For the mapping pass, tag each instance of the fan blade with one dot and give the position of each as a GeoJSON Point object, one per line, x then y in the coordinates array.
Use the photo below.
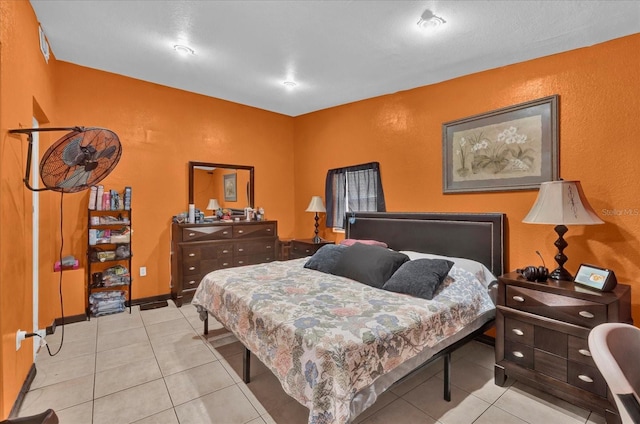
{"type": "Point", "coordinates": [78, 178]}
{"type": "Point", "coordinates": [107, 153]}
{"type": "Point", "coordinates": [72, 155]}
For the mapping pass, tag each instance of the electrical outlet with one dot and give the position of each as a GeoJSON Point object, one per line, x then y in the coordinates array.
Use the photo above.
{"type": "Point", "coordinates": [143, 271]}
{"type": "Point", "coordinates": [20, 336]}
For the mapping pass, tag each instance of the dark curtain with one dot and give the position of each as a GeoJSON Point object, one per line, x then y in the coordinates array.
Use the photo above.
{"type": "Point", "coordinates": [365, 192]}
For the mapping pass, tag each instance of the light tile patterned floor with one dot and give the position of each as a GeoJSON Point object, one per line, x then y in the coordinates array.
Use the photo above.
{"type": "Point", "coordinates": [154, 367]}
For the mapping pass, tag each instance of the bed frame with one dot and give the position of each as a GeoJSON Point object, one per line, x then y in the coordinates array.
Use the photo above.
{"type": "Point", "coordinates": [477, 236]}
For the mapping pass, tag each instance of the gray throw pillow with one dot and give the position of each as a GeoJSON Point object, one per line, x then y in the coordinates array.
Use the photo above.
{"type": "Point", "coordinates": [420, 277]}
{"type": "Point", "coordinates": [325, 258]}
{"type": "Point", "coordinates": [371, 265]}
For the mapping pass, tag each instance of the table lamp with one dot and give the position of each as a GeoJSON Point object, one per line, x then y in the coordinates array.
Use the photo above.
{"type": "Point", "coordinates": [213, 206]}
{"type": "Point", "coordinates": [316, 206]}
{"type": "Point", "coordinates": [561, 203]}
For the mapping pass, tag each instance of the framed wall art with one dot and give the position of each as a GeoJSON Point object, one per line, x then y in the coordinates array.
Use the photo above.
{"type": "Point", "coordinates": [513, 148]}
{"type": "Point", "coordinates": [230, 188]}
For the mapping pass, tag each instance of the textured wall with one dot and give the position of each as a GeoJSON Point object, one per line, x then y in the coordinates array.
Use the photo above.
{"type": "Point", "coordinates": [599, 90]}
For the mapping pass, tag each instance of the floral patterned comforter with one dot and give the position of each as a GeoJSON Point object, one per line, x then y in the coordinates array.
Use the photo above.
{"type": "Point", "coordinates": [326, 337]}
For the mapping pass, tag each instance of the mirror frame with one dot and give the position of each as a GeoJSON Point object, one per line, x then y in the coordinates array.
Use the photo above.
{"type": "Point", "coordinates": [193, 164]}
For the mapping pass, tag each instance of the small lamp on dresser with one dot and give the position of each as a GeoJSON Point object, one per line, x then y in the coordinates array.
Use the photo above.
{"type": "Point", "coordinates": [561, 203]}
{"type": "Point", "coordinates": [213, 206]}
{"type": "Point", "coordinates": [316, 206]}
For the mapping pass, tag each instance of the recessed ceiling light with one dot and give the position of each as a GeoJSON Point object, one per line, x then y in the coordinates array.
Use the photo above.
{"type": "Point", "coordinates": [183, 50]}
{"type": "Point", "coordinates": [289, 84]}
{"type": "Point", "coordinates": [429, 20]}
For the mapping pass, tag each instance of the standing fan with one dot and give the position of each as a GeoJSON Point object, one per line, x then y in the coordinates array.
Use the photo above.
{"type": "Point", "coordinates": [77, 161]}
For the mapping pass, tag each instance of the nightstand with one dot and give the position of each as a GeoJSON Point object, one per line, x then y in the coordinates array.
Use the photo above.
{"type": "Point", "coordinates": [541, 337]}
{"type": "Point", "coordinates": [305, 247]}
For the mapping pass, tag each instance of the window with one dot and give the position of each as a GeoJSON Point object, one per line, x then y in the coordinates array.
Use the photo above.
{"type": "Point", "coordinates": [353, 189]}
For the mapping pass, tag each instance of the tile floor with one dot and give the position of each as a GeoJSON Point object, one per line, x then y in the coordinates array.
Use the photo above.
{"type": "Point", "coordinates": [154, 367]}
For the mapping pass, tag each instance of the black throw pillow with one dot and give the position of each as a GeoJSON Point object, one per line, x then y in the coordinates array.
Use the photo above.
{"type": "Point", "coordinates": [420, 277]}
{"type": "Point", "coordinates": [325, 258]}
{"type": "Point", "coordinates": [371, 265]}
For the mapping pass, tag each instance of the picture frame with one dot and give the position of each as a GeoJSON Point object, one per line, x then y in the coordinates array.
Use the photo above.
{"type": "Point", "coordinates": [597, 278]}
{"type": "Point", "coordinates": [230, 188]}
{"type": "Point", "coordinates": [513, 148]}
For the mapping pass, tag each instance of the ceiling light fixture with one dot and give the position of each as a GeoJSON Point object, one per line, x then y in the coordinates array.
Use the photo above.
{"type": "Point", "coordinates": [289, 84]}
{"type": "Point", "coordinates": [429, 20]}
{"type": "Point", "coordinates": [183, 50]}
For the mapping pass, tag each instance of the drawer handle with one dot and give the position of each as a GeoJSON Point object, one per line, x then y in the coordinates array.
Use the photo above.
{"type": "Point", "coordinates": [518, 332]}
{"type": "Point", "coordinates": [225, 251]}
{"type": "Point", "coordinates": [268, 259]}
{"type": "Point", "coordinates": [518, 354]}
{"type": "Point", "coordinates": [269, 247]}
{"type": "Point", "coordinates": [268, 230]}
{"type": "Point", "coordinates": [192, 254]}
{"type": "Point", "coordinates": [518, 298]}
{"type": "Point", "coordinates": [191, 282]}
{"type": "Point", "coordinates": [307, 251]}
{"type": "Point", "coordinates": [585, 378]}
{"type": "Point", "coordinates": [584, 352]}
{"type": "Point", "coordinates": [191, 268]}
{"type": "Point", "coordinates": [225, 264]}
{"type": "Point", "coordinates": [192, 234]}
{"type": "Point", "coordinates": [240, 262]}
{"type": "Point", "coordinates": [586, 314]}
{"type": "Point", "coordinates": [240, 250]}
{"type": "Point", "coordinates": [225, 232]}
{"type": "Point", "coordinates": [240, 231]}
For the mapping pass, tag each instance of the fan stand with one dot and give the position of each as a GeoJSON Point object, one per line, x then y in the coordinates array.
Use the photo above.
{"type": "Point", "coordinates": [29, 132]}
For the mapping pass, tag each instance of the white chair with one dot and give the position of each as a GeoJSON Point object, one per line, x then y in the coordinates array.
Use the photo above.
{"type": "Point", "coordinates": [615, 348]}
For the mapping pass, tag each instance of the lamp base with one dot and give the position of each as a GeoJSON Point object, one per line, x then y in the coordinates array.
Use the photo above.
{"type": "Point", "coordinates": [316, 240]}
{"type": "Point", "coordinates": [561, 274]}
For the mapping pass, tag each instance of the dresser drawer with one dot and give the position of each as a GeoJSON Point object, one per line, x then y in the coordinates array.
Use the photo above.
{"type": "Point", "coordinates": [255, 259]}
{"type": "Point", "coordinates": [258, 246]}
{"type": "Point", "coordinates": [563, 308]}
{"type": "Point", "coordinates": [207, 233]}
{"type": "Point", "coordinates": [190, 268]}
{"type": "Point", "coordinates": [200, 251]}
{"type": "Point", "coordinates": [587, 378]}
{"type": "Point", "coordinates": [254, 230]}
{"type": "Point", "coordinates": [518, 331]}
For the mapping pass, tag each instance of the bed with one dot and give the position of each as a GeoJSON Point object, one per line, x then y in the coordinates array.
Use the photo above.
{"type": "Point", "coordinates": [336, 344]}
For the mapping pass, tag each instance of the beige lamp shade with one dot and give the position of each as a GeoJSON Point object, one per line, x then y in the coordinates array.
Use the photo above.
{"type": "Point", "coordinates": [316, 205]}
{"type": "Point", "coordinates": [562, 203]}
{"type": "Point", "coordinates": [213, 205]}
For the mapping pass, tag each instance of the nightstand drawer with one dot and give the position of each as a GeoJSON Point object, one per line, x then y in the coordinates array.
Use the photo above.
{"type": "Point", "coordinates": [587, 378]}
{"type": "Point", "coordinates": [579, 351]}
{"type": "Point", "coordinates": [518, 353]}
{"type": "Point", "coordinates": [518, 331]}
{"type": "Point", "coordinates": [563, 308]}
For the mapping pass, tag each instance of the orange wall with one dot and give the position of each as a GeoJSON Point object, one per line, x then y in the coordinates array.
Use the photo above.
{"type": "Point", "coordinates": [25, 80]}
{"type": "Point", "coordinates": [599, 90]}
{"type": "Point", "coordinates": [161, 130]}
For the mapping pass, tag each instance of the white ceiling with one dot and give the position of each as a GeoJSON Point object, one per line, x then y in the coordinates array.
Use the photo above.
{"type": "Point", "coordinates": [337, 51]}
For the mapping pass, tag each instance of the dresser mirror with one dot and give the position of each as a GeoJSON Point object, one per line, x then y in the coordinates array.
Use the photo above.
{"type": "Point", "coordinates": [231, 185]}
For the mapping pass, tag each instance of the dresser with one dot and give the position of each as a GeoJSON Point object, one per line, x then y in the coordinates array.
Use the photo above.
{"type": "Point", "coordinates": [197, 249]}
{"type": "Point", "coordinates": [299, 248]}
{"type": "Point", "coordinates": [542, 332]}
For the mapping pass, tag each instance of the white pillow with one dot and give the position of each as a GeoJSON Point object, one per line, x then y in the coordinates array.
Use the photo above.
{"type": "Point", "coordinates": [478, 269]}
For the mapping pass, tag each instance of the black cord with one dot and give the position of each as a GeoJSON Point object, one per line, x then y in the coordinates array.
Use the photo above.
{"type": "Point", "coordinates": [60, 280]}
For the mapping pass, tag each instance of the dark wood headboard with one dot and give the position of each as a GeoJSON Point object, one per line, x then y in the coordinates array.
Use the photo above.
{"type": "Point", "coordinates": [477, 236]}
